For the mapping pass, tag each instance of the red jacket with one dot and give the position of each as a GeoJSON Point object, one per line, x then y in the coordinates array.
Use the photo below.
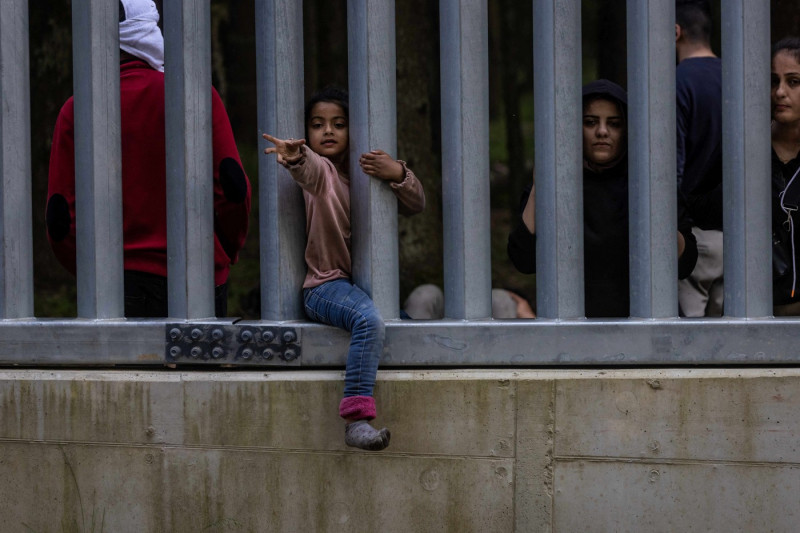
{"type": "Point", "coordinates": [144, 210]}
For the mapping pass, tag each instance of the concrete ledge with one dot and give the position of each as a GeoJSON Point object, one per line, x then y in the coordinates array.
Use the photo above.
{"type": "Point", "coordinates": [516, 450]}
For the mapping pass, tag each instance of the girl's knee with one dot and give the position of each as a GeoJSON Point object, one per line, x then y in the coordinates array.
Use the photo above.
{"type": "Point", "coordinates": [371, 322]}
{"type": "Point", "coordinates": [375, 322]}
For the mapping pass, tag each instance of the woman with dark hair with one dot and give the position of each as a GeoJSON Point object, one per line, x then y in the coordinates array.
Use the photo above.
{"type": "Point", "coordinates": [605, 208]}
{"type": "Point", "coordinates": [785, 98]}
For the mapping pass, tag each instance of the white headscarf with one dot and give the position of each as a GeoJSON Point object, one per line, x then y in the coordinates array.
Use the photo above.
{"type": "Point", "coordinates": [139, 34]}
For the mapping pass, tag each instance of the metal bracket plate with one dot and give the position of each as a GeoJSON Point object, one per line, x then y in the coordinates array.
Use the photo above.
{"type": "Point", "coordinates": [232, 344]}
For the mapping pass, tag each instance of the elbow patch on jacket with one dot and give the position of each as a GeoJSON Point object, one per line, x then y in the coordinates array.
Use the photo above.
{"type": "Point", "coordinates": [233, 180]}
{"type": "Point", "coordinates": [57, 217]}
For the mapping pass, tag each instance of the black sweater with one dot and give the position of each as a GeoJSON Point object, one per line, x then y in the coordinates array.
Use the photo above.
{"type": "Point", "coordinates": [605, 234]}
{"type": "Point", "coordinates": [782, 265]}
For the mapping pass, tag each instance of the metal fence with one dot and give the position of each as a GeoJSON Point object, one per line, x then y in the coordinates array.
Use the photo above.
{"type": "Point", "coordinates": [468, 336]}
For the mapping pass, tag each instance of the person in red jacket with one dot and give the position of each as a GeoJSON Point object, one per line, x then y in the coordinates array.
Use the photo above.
{"type": "Point", "coordinates": [144, 207]}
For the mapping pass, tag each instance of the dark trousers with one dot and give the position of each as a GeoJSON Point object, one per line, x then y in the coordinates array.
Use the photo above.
{"type": "Point", "coordinates": [146, 296]}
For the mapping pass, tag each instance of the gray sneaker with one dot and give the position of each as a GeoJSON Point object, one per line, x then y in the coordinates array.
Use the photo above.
{"type": "Point", "coordinates": [360, 434]}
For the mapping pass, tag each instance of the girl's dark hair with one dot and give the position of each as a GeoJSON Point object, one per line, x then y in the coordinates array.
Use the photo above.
{"type": "Point", "coordinates": [331, 94]}
{"type": "Point", "coordinates": [790, 45]}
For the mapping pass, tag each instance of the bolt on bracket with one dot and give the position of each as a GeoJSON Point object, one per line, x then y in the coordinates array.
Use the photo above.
{"type": "Point", "coordinates": [245, 344]}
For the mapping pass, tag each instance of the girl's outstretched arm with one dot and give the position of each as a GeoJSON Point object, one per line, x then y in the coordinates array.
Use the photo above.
{"type": "Point", "coordinates": [288, 150]}
{"type": "Point", "coordinates": [307, 168]}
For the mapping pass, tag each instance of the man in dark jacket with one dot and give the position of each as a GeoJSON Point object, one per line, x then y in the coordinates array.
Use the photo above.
{"type": "Point", "coordinates": [699, 146]}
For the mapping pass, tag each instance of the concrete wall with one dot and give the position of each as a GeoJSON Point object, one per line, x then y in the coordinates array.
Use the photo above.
{"type": "Point", "coordinates": [472, 451]}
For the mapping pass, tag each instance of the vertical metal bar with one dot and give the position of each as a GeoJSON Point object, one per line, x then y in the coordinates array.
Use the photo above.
{"type": "Point", "coordinates": [190, 229]}
{"type": "Point", "coordinates": [465, 158]}
{"type": "Point", "coordinates": [652, 174]}
{"type": "Point", "coordinates": [559, 171]}
{"type": "Point", "coordinates": [746, 158]}
{"type": "Point", "coordinates": [98, 158]}
{"type": "Point", "coordinates": [16, 255]}
{"type": "Point", "coordinates": [279, 55]}
{"type": "Point", "coordinates": [373, 125]}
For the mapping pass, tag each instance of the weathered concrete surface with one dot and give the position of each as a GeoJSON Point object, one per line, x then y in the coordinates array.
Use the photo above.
{"type": "Point", "coordinates": [482, 451]}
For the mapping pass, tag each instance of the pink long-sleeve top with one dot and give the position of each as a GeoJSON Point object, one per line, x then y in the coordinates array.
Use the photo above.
{"type": "Point", "coordinates": [327, 198]}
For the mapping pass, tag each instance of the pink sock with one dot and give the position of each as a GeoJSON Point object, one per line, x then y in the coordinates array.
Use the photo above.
{"type": "Point", "coordinates": [357, 408]}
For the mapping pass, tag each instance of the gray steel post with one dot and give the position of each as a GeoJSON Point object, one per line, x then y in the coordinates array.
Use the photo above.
{"type": "Point", "coordinates": [746, 158]}
{"type": "Point", "coordinates": [652, 178]}
{"type": "Point", "coordinates": [16, 256]}
{"type": "Point", "coordinates": [465, 158]}
{"type": "Point", "coordinates": [98, 158]}
{"type": "Point", "coordinates": [190, 228]}
{"type": "Point", "coordinates": [279, 55]}
{"type": "Point", "coordinates": [558, 169]}
{"type": "Point", "coordinates": [373, 125]}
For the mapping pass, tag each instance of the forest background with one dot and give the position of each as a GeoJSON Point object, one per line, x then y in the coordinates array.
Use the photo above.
{"type": "Point", "coordinates": [419, 128]}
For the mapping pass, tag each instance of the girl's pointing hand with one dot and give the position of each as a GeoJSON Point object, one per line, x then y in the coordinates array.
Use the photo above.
{"type": "Point", "coordinates": [288, 151]}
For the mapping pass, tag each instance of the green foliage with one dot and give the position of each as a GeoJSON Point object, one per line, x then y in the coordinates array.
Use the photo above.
{"type": "Point", "coordinates": [58, 302]}
{"type": "Point", "coordinates": [498, 138]}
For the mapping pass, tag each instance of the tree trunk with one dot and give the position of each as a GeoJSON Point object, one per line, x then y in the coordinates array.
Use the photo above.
{"type": "Point", "coordinates": [514, 65]}
{"type": "Point", "coordinates": [51, 85]}
{"type": "Point", "coordinates": [611, 48]}
{"type": "Point", "coordinates": [418, 139]}
{"type": "Point", "coordinates": [325, 44]}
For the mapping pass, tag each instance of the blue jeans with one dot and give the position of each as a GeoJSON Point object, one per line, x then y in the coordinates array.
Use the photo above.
{"type": "Point", "coordinates": [340, 303]}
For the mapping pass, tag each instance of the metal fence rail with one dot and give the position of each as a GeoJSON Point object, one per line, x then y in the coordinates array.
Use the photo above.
{"type": "Point", "coordinates": [279, 71]}
{"type": "Point", "coordinates": [465, 158]}
{"type": "Point", "coordinates": [746, 159]}
{"type": "Point", "coordinates": [467, 337]}
{"type": "Point", "coordinates": [651, 159]}
{"type": "Point", "coordinates": [16, 241]}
